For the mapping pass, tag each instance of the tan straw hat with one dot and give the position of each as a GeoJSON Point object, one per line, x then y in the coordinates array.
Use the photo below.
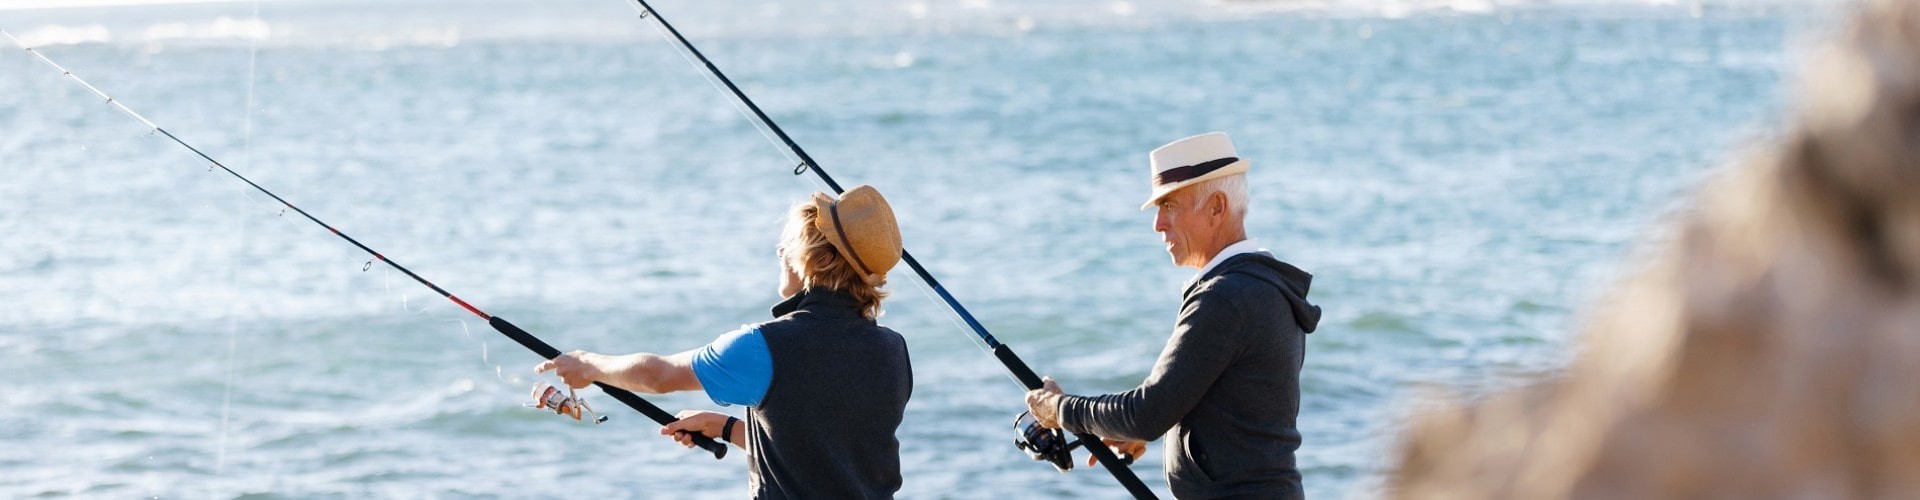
{"type": "Point", "coordinates": [1190, 161]}
{"type": "Point", "coordinates": [860, 225]}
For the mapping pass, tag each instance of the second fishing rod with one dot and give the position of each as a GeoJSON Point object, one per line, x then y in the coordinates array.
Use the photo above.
{"type": "Point", "coordinates": [501, 324]}
{"type": "Point", "coordinates": [1026, 376]}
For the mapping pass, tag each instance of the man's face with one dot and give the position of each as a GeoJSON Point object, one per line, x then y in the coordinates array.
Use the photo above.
{"type": "Point", "coordinates": [1182, 223]}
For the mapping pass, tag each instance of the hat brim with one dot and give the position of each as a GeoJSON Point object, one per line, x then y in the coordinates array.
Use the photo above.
{"type": "Point", "coordinates": [875, 245]}
{"type": "Point", "coordinates": [1238, 167]}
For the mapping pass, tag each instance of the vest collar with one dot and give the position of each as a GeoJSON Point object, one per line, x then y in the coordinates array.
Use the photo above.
{"type": "Point", "coordinates": [826, 301]}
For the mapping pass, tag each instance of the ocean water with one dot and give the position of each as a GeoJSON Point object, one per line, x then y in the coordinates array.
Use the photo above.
{"type": "Point", "coordinates": [1461, 177]}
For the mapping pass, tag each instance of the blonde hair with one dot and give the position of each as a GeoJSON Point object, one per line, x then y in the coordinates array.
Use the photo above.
{"type": "Point", "coordinates": [1772, 347]}
{"type": "Point", "coordinates": [819, 265]}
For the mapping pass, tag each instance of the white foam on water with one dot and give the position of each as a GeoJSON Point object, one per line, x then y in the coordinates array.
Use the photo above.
{"type": "Point", "coordinates": [65, 35]}
{"type": "Point", "coordinates": [219, 28]}
{"type": "Point", "coordinates": [75, 4]}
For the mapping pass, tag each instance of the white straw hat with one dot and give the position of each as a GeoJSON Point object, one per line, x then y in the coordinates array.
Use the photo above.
{"type": "Point", "coordinates": [1190, 161]}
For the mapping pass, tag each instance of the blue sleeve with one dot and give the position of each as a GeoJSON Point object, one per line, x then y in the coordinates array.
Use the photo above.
{"type": "Point", "coordinates": [736, 368]}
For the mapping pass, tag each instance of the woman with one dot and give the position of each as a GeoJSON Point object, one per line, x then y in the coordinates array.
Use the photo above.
{"type": "Point", "coordinates": [824, 383]}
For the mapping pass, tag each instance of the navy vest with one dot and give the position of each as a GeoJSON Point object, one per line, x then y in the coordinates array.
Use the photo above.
{"type": "Point", "coordinates": [840, 386]}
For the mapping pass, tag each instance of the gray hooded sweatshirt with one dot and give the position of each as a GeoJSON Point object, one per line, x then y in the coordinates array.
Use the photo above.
{"type": "Point", "coordinates": [1226, 389]}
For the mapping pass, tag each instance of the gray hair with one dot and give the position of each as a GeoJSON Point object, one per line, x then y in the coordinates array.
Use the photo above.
{"type": "Point", "coordinates": [1234, 186]}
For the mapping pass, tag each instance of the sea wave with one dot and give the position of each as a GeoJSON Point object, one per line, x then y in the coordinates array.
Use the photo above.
{"type": "Point", "coordinates": [219, 28]}
{"type": "Point", "coordinates": [65, 35]}
{"type": "Point", "coordinates": [75, 4]}
{"type": "Point", "coordinates": [430, 23]}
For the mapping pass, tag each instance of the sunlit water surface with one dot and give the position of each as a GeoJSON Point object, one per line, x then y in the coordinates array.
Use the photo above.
{"type": "Point", "coordinates": [1460, 181]}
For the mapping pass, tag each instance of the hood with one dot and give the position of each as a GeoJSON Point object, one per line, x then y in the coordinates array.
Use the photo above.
{"type": "Point", "coordinates": [1291, 281]}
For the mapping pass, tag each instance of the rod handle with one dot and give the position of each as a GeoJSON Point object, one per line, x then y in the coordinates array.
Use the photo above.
{"type": "Point", "coordinates": [1019, 368]}
{"type": "Point", "coordinates": [630, 399]}
{"type": "Point", "coordinates": [718, 450]}
{"type": "Point", "coordinates": [1092, 443]}
{"type": "Point", "coordinates": [1115, 465]}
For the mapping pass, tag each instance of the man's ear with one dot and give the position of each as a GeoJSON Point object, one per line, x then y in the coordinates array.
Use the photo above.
{"type": "Point", "coordinates": [1217, 204]}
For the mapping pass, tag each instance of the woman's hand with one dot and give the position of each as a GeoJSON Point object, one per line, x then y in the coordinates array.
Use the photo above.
{"type": "Point", "coordinates": [706, 423]}
{"type": "Point", "coordinates": [578, 368]}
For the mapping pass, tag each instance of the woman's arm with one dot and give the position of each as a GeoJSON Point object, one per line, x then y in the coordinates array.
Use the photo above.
{"type": "Point", "coordinates": [638, 372]}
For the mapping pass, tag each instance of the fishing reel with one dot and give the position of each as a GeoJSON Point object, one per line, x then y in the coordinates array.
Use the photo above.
{"type": "Point", "coordinates": [1043, 444]}
{"type": "Point", "coordinates": [548, 397]}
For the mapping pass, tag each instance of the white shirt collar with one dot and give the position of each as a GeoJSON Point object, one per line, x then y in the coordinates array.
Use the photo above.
{"type": "Point", "coordinates": [1243, 246]}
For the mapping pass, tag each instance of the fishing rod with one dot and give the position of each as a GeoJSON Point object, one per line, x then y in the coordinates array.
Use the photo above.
{"type": "Point", "coordinates": [506, 328]}
{"type": "Point", "coordinates": [1005, 354]}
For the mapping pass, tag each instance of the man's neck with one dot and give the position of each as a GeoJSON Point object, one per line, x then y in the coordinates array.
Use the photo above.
{"type": "Point", "coordinates": [1243, 246]}
{"type": "Point", "coordinates": [1235, 233]}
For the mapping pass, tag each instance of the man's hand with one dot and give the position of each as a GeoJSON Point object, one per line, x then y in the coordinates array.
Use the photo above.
{"type": "Point", "coordinates": [1044, 403]}
{"type": "Point", "coordinates": [578, 368]}
{"type": "Point", "coordinates": [1123, 448]}
{"type": "Point", "coordinates": [704, 422]}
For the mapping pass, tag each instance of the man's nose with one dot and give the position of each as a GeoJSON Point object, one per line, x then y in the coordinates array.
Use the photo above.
{"type": "Point", "coordinates": [1160, 221]}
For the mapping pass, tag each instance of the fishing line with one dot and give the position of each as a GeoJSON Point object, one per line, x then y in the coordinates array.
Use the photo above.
{"type": "Point", "coordinates": [498, 373]}
{"type": "Point", "coordinates": [952, 315]}
{"type": "Point", "coordinates": [1012, 362]}
{"type": "Point", "coordinates": [233, 264]}
{"type": "Point", "coordinates": [500, 324]}
{"type": "Point", "coordinates": [959, 324]}
{"type": "Point", "coordinates": [666, 32]}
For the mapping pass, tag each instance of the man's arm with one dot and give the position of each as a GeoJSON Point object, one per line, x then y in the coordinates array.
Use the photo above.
{"type": "Point", "coordinates": [1204, 342]}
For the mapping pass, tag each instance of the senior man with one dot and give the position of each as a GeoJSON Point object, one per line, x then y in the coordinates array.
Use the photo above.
{"type": "Point", "coordinates": [1226, 389]}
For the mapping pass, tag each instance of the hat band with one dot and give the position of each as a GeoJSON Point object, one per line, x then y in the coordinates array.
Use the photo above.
{"type": "Point", "coordinates": [1189, 172]}
{"type": "Point", "coordinates": [833, 210]}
